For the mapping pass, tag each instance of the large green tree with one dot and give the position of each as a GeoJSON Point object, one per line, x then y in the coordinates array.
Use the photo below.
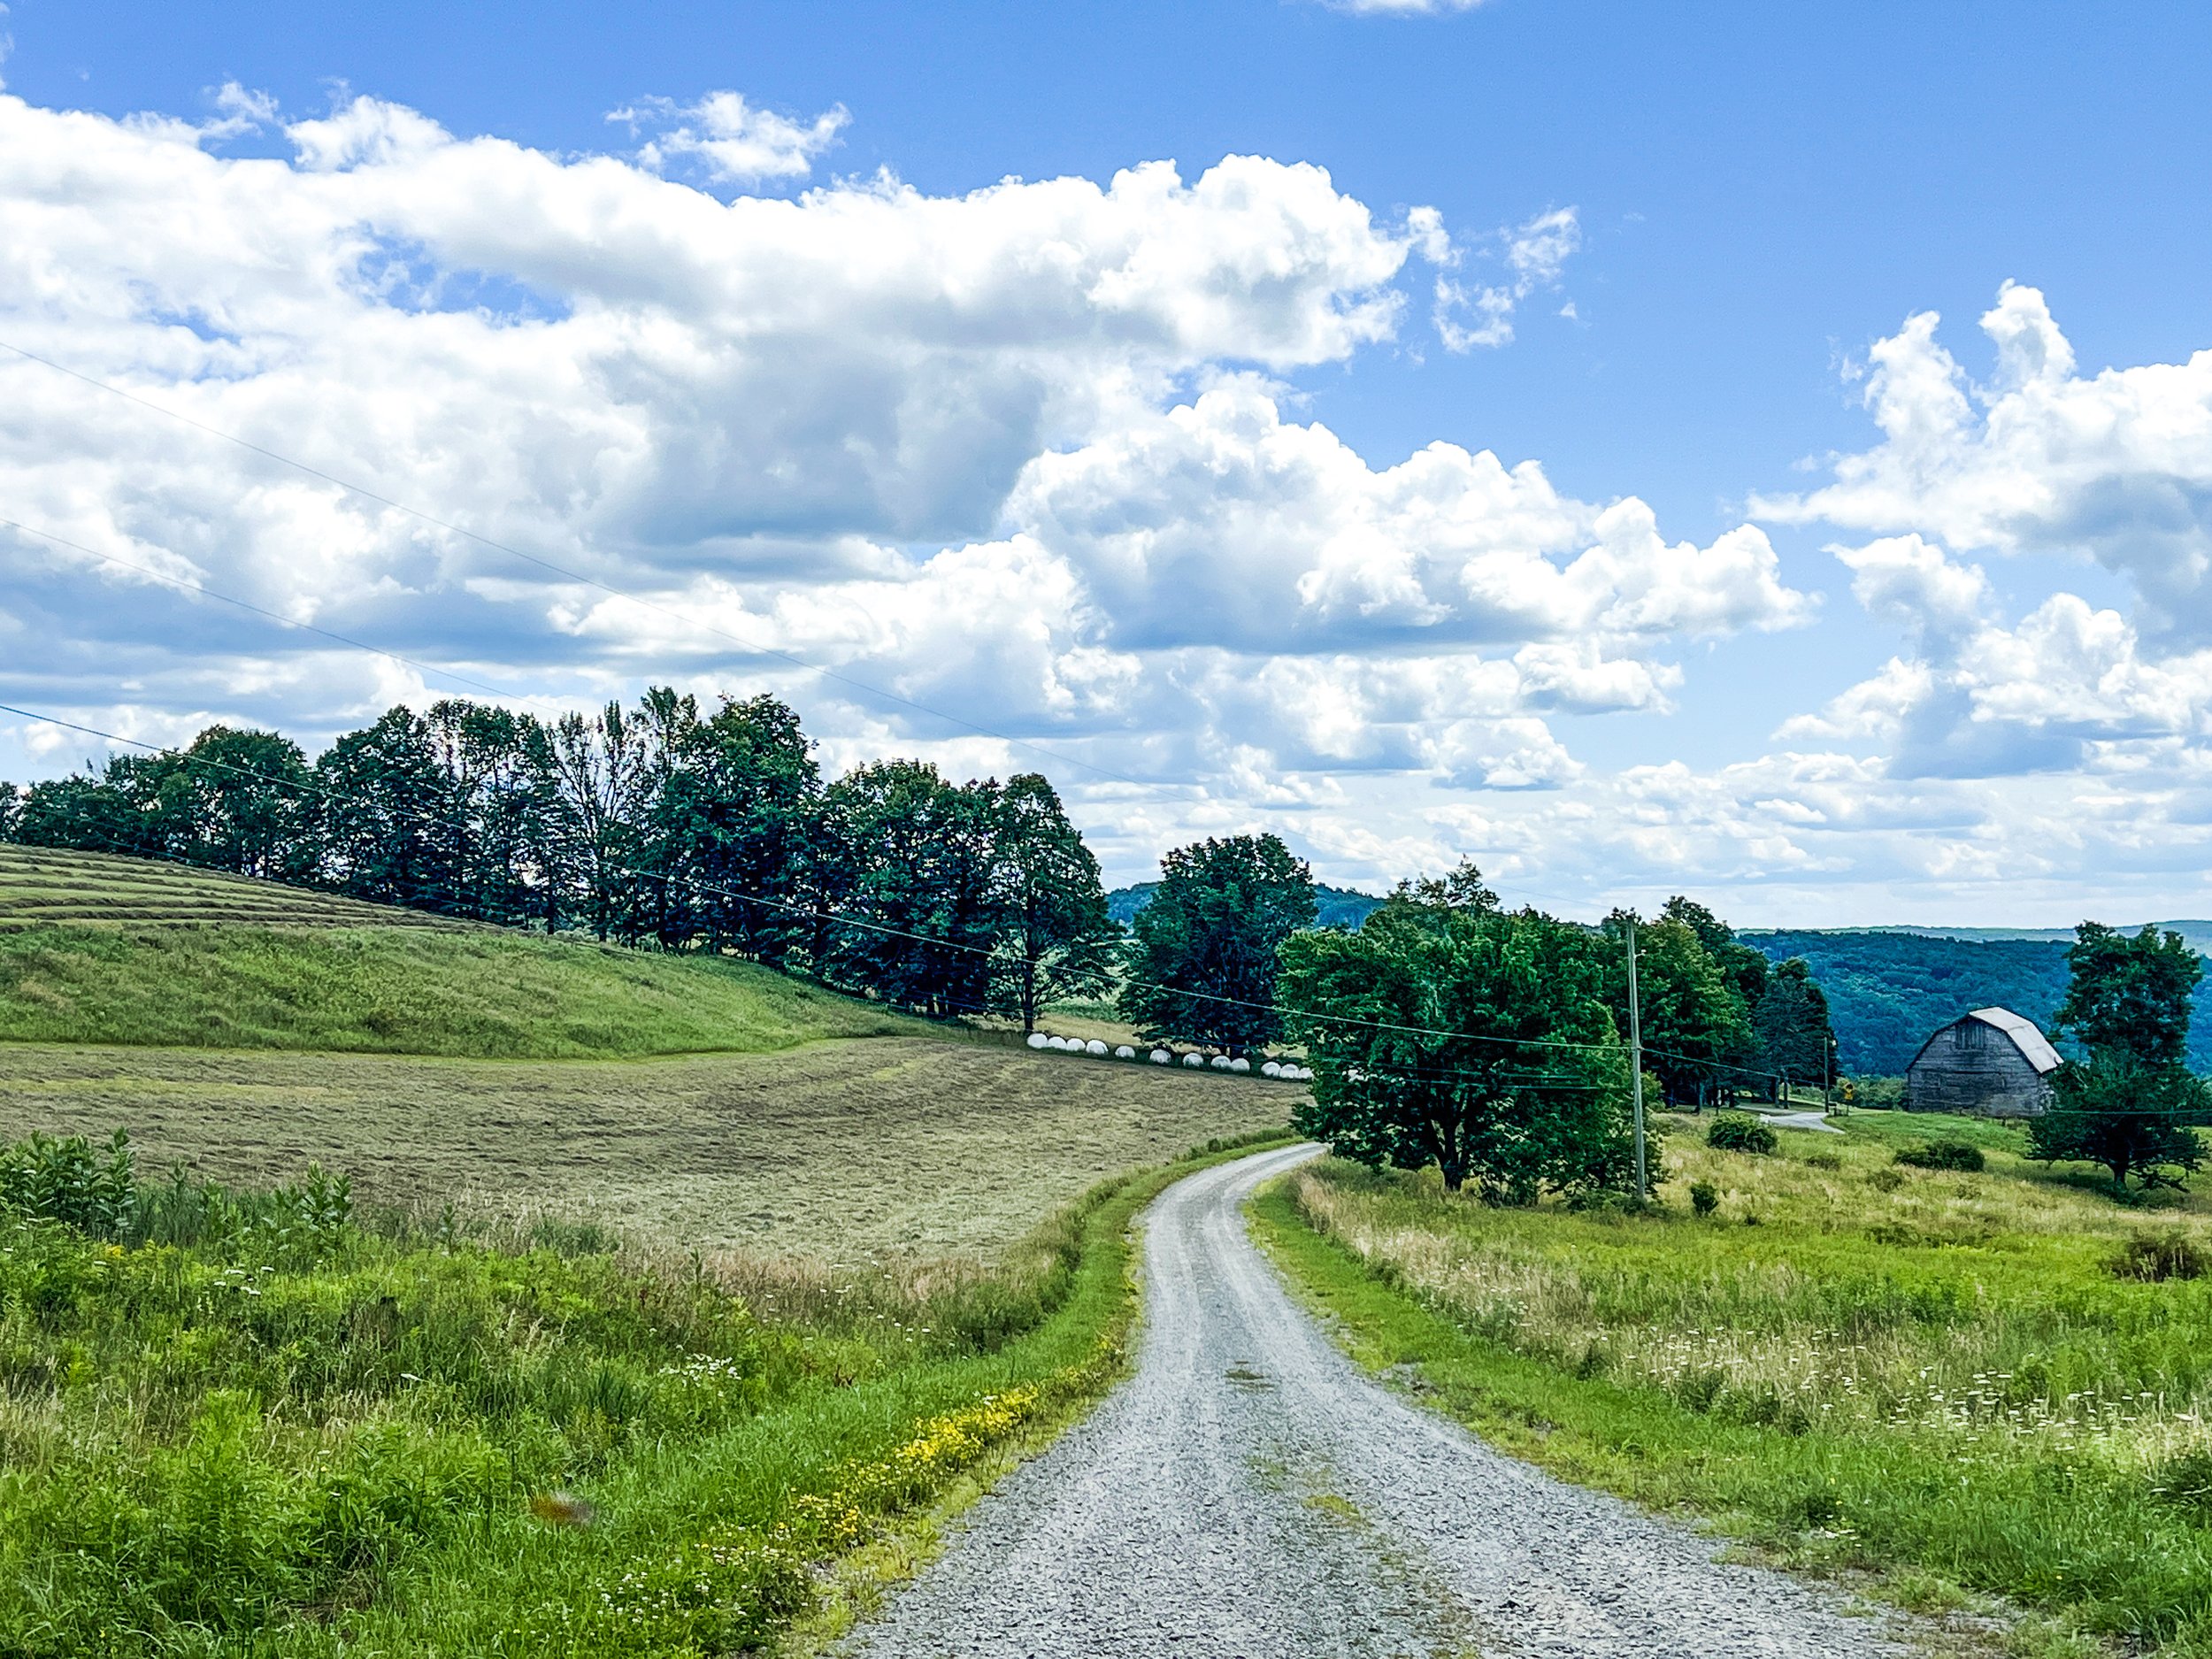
{"type": "Point", "coordinates": [903, 868]}
{"type": "Point", "coordinates": [2129, 994]}
{"type": "Point", "coordinates": [385, 816]}
{"type": "Point", "coordinates": [753, 790]}
{"type": "Point", "coordinates": [1447, 1032]}
{"type": "Point", "coordinates": [1743, 966]}
{"type": "Point", "coordinates": [1204, 963]}
{"type": "Point", "coordinates": [1697, 1032]}
{"type": "Point", "coordinates": [493, 768]}
{"type": "Point", "coordinates": [2130, 1105]}
{"type": "Point", "coordinates": [1054, 938]}
{"type": "Point", "coordinates": [1796, 1042]}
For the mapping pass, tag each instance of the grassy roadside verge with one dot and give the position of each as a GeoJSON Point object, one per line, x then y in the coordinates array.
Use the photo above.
{"type": "Point", "coordinates": [2095, 1544]}
{"type": "Point", "coordinates": [245, 1423]}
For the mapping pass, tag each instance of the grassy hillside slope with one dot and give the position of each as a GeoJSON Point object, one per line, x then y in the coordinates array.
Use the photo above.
{"type": "Point", "coordinates": [403, 990]}
{"type": "Point", "coordinates": [44, 884]}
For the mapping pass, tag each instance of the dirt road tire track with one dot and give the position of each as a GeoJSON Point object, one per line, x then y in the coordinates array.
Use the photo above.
{"type": "Point", "coordinates": [1248, 1493]}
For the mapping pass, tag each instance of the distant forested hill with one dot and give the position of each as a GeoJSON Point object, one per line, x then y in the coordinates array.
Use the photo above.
{"type": "Point", "coordinates": [1887, 991]}
{"type": "Point", "coordinates": [1339, 907]}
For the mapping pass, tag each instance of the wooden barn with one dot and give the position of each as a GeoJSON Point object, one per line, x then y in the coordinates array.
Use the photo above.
{"type": "Point", "coordinates": [1991, 1061]}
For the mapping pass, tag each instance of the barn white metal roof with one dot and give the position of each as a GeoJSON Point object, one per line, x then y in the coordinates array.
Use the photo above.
{"type": "Point", "coordinates": [2030, 1042]}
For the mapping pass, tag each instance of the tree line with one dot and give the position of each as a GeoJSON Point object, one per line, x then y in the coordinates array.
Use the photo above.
{"type": "Point", "coordinates": [656, 823]}
{"type": "Point", "coordinates": [1448, 1030]}
{"type": "Point", "coordinates": [1444, 1027]}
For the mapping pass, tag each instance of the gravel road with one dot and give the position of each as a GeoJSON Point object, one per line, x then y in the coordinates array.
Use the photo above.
{"type": "Point", "coordinates": [1250, 1494]}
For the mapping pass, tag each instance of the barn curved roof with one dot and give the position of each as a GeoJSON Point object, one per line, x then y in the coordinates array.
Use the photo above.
{"type": "Point", "coordinates": [2030, 1042]}
{"type": "Point", "coordinates": [2034, 1047]}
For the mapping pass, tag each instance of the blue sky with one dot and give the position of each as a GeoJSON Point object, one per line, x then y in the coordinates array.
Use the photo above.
{"type": "Point", "coordinates": [1758, 196]}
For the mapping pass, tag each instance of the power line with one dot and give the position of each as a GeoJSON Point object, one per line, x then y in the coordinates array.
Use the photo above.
{"type": "Point", "coordinates": [1153, 784]}
{"type": "Point", "coordinates": [813, 913]}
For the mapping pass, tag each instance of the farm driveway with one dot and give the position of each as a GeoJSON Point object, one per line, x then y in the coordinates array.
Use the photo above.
{"type": "Point", "coordinates": [1250, 1493]}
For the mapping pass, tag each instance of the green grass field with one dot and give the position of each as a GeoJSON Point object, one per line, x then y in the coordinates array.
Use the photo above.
{"type": "Point", "coordinates": [833, 1150]}
{"type": "Point", "coordinates": [247, 1424]}
{"type": "Point", "coordinates": [402, 990]}
{"type": "Point", "coordinates": [628, 1239]}
{"type": "Point", "coordinates": [1936, 1378]}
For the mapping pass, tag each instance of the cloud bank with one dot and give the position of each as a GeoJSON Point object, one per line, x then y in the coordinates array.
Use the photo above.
{"type": "Point", "coordinates": [1035, 457]}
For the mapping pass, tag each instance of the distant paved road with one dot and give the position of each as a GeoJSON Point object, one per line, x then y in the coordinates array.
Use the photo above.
{"type": "Point", "coordinates": [1250, 1494]}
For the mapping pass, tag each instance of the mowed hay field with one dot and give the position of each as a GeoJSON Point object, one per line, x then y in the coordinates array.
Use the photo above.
{"type": "Point", "coordinates": [683, 1101]}
{"type": "Point", "coordinates": [833, 1150]}
{"type": "Point", "coordinates": [44, 884]}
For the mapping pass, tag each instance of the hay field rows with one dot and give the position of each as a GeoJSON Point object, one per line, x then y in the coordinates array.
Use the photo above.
{"type": "Point", "coordinates": [42, 884]}
{"type": "Point", "coordinates": [835, 1150]}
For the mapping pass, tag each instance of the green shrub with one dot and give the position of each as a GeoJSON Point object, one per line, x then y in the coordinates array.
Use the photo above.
{"type": "Point", "coordinates": [1704, 1197]}
{"type": "Point", "coordinates": [68, 1181]}
{"type": "Point", "coordinates": [1944, 1155]}
{"type": "Point", "coordinates": [1737, 1131]}
{"type": "Point", "coordinates": [1827, 1161]}
{"type": "Point", "coordinates": [1885, 1180]}
{"type": "Point", "coordinates": [2158, 1259]}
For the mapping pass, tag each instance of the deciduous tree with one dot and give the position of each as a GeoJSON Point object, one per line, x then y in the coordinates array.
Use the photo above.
{"type": "Point", "coordinates": [1056, 939]}
{"type": "Point", "coordinates": [1204, 963]}
{"type": "Point", "coordinates": [1446, 1031]}
{"type": "Point", "coordinates": [2131, 1105]}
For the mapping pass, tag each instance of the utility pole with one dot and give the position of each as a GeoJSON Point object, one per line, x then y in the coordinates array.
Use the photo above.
{"type": "Point", "coordinates": [1636, 1060]}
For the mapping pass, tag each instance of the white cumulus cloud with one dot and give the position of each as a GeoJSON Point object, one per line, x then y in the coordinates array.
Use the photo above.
{"type": "Point", "coordinates": [736, 141]}
{"type": "Point", "coordinates": [2115, 465]}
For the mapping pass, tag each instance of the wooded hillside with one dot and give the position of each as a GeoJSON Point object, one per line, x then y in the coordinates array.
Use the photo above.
{"type": "Point", "coordinates": [1887, 991]}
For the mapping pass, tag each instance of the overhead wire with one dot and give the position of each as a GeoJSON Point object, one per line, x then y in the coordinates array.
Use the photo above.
{"type": "Point", "coordinates": [808, 912]}
{"type": "Point", "coordinates": [1153, 784]}
{"type": "Point", "coordinates": [599, 584]}
{"type": "Point", "coordinates": [2200, 1115]}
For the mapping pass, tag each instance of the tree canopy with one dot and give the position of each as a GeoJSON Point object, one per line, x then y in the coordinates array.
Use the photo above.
{"type": "Point", "coordinates": [1203, 964]}
{"type": "Point", "coordinates": [1448, 1032]}
{"type": "Point", "coordinates": [2131, 1105]}
{"type": "Point", "coordinates": [654, 822]}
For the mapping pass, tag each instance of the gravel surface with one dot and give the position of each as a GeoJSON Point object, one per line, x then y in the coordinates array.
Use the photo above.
{"type": "Point", "coordinates": [1250, 1494]}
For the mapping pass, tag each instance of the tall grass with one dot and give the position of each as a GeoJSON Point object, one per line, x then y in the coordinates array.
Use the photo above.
{"type": "Point", "coordinates": [1967, 1373]}
{"type": "Point", "coordinates": [260, 1423]}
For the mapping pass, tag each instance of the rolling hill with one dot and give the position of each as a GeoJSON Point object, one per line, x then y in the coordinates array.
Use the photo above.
{"type": "Point", "coordinates": [100, 948]}
{"type": "Point", "coordinates": [1339, 907]}
{"type": "Point", "coordinates": [44, 884]}
{"type": "Point", "coordinates": [1887, 990]}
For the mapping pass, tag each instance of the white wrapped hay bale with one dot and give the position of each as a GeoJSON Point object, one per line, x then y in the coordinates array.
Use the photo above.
{"type": "Point", "coordinates": [1095, 1048]}
{"type": "Point", "coordinates": [1038, 1039]}
{"type": "Point", "coordinates": [1194, 1059]}
{"type": "Point", "coordinates": [1161, 1056]}
{"type": "Point", "coordinates": [1240, 1064]}
{"type": "Point", "coordinates": [1270, 1070]}
{"type": "Point", "coordinates": [1125, 1053]}
{"type": "Point", "coordinates": [1220, 1063]}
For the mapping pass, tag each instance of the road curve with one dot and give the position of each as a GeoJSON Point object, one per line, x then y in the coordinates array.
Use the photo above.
{"type": "Point", "coordinates": [1248, 1493]}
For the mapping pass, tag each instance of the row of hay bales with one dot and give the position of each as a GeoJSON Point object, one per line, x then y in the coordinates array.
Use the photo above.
{"type": "Point", "coordinates": [1098, 1051]}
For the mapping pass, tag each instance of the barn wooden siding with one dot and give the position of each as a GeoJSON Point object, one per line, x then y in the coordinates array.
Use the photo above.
{"type": "Point", "coordinates": [1971, 1066]}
